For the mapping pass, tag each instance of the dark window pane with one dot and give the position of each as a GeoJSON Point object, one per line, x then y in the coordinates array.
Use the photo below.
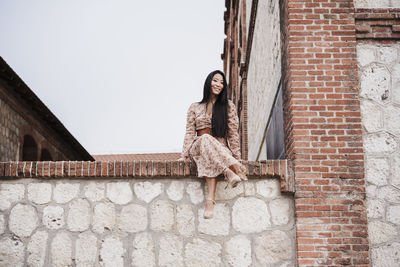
{"type": "Point", "coordinates": [29, 150]}
{"type": "Point", "coordinates": [275, 135]}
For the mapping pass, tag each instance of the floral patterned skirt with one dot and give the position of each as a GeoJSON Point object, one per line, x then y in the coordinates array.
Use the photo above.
{"type": "Point", "coordinates": [211, 156]}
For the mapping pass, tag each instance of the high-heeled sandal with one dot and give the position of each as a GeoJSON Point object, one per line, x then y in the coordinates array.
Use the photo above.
{"type": "Point", "coordinates": [232, 182]}
{"type": "Point", "coordinates": [208, 214]}
{"type": "Point", "coordinates": [242, 176]}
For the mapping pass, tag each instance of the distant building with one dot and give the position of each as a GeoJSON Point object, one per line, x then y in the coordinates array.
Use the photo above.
{"type": "Point", "coordinates": [132, 157]}
{"type": "Point", "coordinates": [29, 131]}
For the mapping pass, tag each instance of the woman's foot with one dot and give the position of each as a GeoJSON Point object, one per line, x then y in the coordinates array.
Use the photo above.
{"type": "Point", "coordinates": [209, 208]}
{"type": "Point", "coordinates": [240, 171]}
{"type": "Point", "coordinates": [232, 178]}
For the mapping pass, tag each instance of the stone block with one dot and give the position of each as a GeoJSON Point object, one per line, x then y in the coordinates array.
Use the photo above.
{"type": "Point", "coordinates": [37, 249]}
{"type": "Point", "coordinates": [61, 250]}
{"type": "Point", "coordinates": [386, 256]}
{"type": "Point", "coordinates": [380, 143]}
{"type": "Point", "coordinates": [94, 191]}
{"type": "Point", "coordinates": [147, 191]}
{"type": "Point", "coordinates": [53, 217]}
{"type": "Point", "coordinates": [380, 232]}
{"type": "Point", "coordinates": [365, 55]}
{"type": "Point", "coordinates": [396, 83]}
{"type": "Point", "coordinates": [225, 194]}
{"type": "Point", "coordinates": [143, 253]}
{"type": "Point", "coordinates": [112, 252]}
{"type": "Point", "coordinates": [268, 188]}
{"type": "Point", "coordinates": [389, 194]}
{"type": "Point", "coordinates": [79, 215]}
{"type": "Point", "coordinates": [175, 190]}
{"type": "Point", "coordinates": [103, 217]}
{"type": "Point", "coordinates": [119, 192]}
{"type": "Point", "coordinates": [10, 193]}
{"type": "Point", "coordinates": [200, 253]}
{"type": "Point", "coordinates": [219, 225]}
{"type": "Point", "coordinates": [195, 192]}
{"type": "Point", "coordinates": [2, 224]}
{"type": "Point", "coordinates": [86, 250]}
{"type": "Point", "coordinates": [375, 208]}
{"type": "Point", "coordinates": [273, 247]}
{"type": "Point", "coordinates": [395, 179]}
{"type": "Point", "coordinates": [280, 211]}
{"type": "Point", "coordinates": [387, 54]}
{"type": "Point", "coordinates": [374, 83]}
{"type": "Point", "coordinates": [393, 214]}
{"type": "Point", "coordinates": [250, 215]}
{"type": "Point", "coordinates": [249, 188]}
{"type": "Point", "coordinates": [11, 252]}
{"type": "Point", "coordinates": [170, 253]}
{"type": "Point", "coordinates": [377, 170]}
{"type": "Point", "coordinates": [371, 190]}
{"type": "Point", "coordinates": [238, 251]}
{"type": "Point", "coordinates": [23, 220]}
{"type": "Point", "coordinates": [162, 216]}
{"type": "Point", "coordinates": [133, 218]}
{"type": "Point", "coordinates": [371, 114]}
{"type": "Point", "coordinates": [64, 192]}
{"type": "Point", "coordinates": [39, 193]}
{"type": "Point", "coordinates": [185, 220]}
{"type": "Point", "coordinates": [391, 116]}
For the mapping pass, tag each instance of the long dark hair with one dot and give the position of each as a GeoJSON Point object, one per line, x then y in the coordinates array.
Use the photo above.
{"type": "Point", "coordinates": [219, 122]}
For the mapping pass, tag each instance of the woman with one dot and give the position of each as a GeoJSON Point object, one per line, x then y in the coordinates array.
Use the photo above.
{"type": "Point", "coordinates": [211, 124]}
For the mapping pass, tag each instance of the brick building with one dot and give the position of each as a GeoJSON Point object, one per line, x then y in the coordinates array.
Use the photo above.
{"type": "Point", "coordinates": [318, 82]}
{"type": "Point", "coordinates": [29, 131]}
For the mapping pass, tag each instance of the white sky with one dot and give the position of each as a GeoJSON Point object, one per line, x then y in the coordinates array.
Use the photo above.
{"type": "Point", "coordinates": [120, 75]}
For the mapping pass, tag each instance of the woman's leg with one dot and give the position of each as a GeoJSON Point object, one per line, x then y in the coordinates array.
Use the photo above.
{"type": "Point", "coordinates": [211, 185]}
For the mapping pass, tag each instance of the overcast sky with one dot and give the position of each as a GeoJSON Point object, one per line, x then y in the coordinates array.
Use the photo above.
{"type": "Point", "coordinates": [120, 75]}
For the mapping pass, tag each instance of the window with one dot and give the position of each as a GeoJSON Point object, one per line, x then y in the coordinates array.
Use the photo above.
{"type": "Point", "coordinates": [45, 155]}
{"type": "Point", "coordinates": [275, 133]}
{"type": "Point", "coordinates": [29, 150]}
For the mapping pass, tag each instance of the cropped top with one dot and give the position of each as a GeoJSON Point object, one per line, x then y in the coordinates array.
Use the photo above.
{"type": "Point", "coordinates": [197, 118]}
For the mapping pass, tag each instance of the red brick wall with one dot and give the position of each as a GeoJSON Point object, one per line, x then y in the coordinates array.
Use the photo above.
{"type": "Point", "coordinates": [323, 132]}
{"type": "Point", "coordinates": [381, 24]}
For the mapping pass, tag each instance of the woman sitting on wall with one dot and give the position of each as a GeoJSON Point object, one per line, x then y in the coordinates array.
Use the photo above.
{"type": "Point", "coordinates": [212, 139]}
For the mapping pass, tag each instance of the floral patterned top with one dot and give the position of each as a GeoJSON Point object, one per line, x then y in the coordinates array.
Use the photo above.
{"type": "Point", "coordinates": [197, 118]}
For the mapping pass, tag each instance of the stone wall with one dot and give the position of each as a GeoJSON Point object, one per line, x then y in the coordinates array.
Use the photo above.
{"type": "Point", "coordinates": [264, 74]}
{"type": "Point", "coordinates": [143, 222]}
{"type": "Point", "coordinates": [379, 72]}
{"type": "Point", "coordinates": [10, 122]}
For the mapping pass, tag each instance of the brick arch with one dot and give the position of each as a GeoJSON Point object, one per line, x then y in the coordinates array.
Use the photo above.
{"type": "Point", "coordinates": [47, 152]}
{"type": "Point", "coordinates": [28, 130]}
{"type": "Point", "coordinates": [29, 148]}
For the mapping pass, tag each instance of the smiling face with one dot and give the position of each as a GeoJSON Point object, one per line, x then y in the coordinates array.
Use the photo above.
{"type": "Point", "coordinates": [217, 84]}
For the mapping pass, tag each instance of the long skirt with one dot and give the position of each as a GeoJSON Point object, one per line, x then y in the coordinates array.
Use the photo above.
{"type": "Point", "coordinates": [211, 156]}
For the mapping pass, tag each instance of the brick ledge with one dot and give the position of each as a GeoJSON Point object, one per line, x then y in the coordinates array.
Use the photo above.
{"type": "Point", "coordinates": [143, 168]}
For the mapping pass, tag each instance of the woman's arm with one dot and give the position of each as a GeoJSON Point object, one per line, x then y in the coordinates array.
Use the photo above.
{"type": "Point", "coordinates": [233, 126]}
{"type": "Point", "coordinates": [190, 132]}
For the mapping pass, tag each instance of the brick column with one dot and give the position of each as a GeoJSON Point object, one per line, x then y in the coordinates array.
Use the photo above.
{"type": "Point", "coordinates": [323, 130]}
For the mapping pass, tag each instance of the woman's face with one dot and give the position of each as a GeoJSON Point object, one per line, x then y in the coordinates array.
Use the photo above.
{"type": "Point", "coordinates": [217, 84]}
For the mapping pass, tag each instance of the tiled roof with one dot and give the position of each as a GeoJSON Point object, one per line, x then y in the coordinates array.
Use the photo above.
{"type": "Point", "coordinates": [130, 157]}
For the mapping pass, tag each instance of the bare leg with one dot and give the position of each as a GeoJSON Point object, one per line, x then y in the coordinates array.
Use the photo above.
{"type": "Point", "coordinates": [211, 185]}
